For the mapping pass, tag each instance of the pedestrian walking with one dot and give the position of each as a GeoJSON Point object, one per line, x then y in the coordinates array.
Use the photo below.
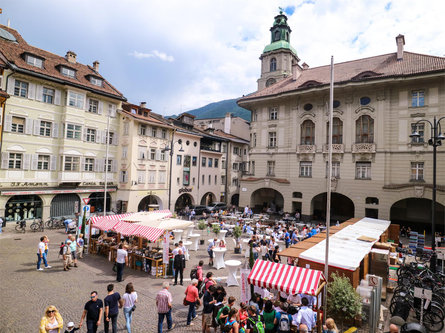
{"type": "Point", "coordinates": [80, 245]}
{"type": "Point", "coordinates": [212, 245]}
{"type": "Point", "coordinates": [121, 261]}
{"type": "Point", "coordinates": [191, 297]}
{"type": "Point", "coordinates": [283, 320]}
{"type": "Point", "coordinates": [73, 247]}
{"type": "Point", "coordinates": [207, 311]}
{"type": "Point", "coordinates": [93, 311]}
{"type": "Point", "coordinates": [51, 321]}
{"type": "Point", "coordinates": [112, 303]}
{"type": "Point", "coordinates": [45, 254]}
{"type": "Point", "coordinates": [200, 274]}
{"type": "Point", "coordinates": [66, 251]}
{"type": "Point", "coordinates": [305, 315]}
{"type": "Point", "coordinates": [254, 321]}
{"type": "Point", "coordinates": [41, 254]}
{"type": "Point", "coordinates": [130, 298]}
{"type": "Point", "coordinates": [70, 328]}
{"type": "Point", "coordinates": [231, 325]}
{"type": "Point", "coordinates": [330, 327]}
{"type": "Point", "coordinates": [179, 264]}
{"type": "Point", "coordinates": [164, 302]}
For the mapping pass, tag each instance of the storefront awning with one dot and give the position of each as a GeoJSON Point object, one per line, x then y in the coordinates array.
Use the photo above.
{"type": "Point", "coordinates": [116, 218]}
{"type": "Point", "coordinates": [152, 234]}
{"type": "Point", "coordinates": [126, 229]}
{"type": "Point", "coordinates": [104, 224]}
{"type": "Point", "coordinates": [289, 279]}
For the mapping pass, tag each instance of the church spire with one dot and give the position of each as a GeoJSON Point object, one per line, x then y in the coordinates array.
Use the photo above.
{"type": "Point", "coordinates": [280, 29]}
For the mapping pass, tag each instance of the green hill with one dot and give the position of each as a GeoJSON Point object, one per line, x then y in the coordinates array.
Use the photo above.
{"type": "Point", "coordinates": [219, 110]}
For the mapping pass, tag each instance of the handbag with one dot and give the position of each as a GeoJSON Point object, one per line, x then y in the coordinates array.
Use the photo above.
{"type": "Point", "coordinates": [185, 301]}
{"type": "Point", "coordinates": [115, 267]}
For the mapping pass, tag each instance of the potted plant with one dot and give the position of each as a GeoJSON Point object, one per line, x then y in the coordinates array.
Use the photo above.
{"type": "Point", "coordinates": [237, 231]}
{"type": "Point", "coordinates": [216, 229]}
{"type": "Point", "coordinates": [201, 226]}
{"type": "Point", "coordinates": [344, 303]}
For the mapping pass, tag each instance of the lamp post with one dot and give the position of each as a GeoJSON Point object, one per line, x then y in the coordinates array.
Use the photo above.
{"type": "Point", "coordinates": [171, 148]}
{"type": "Point", "coordinates": [435, 141]}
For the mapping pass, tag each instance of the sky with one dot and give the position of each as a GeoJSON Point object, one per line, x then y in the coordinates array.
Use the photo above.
{"type": "Point", "coordinates": [178, 55]}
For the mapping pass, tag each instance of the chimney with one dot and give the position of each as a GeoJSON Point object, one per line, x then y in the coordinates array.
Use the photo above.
{"type": "Point", "coordinates": [143, 105]}
{"type": "Point", "coordinates": [96, 66]}
{"type": "Point", "coordinates": [400, 41]}
{"type": "Point", "coordinates": [71, 57]}
{"type": "Point", "coordinates": [228, 123]}
{"type": "Point", "coordinates": [305, 66]}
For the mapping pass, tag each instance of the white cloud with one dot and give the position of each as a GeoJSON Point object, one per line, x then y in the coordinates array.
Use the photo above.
{"type": "Point", "coordinates": [154, 54]}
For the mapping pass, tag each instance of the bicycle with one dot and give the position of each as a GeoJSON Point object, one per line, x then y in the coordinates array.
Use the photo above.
{"type": "Point", "coordinates": [55, 223]}
{"type": "Point", "coordinates": [20, 226]}
{"type": "Point", "coordinates": [37, 225]}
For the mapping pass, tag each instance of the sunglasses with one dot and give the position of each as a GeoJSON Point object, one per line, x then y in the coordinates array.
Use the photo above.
{"type": "Point", "coordinates": [50, 311]}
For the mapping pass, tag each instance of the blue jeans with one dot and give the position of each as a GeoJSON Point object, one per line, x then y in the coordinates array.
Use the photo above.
{"type": "Point", "coordinates": [120, 271]}
{"type": "Point", "coordinates": [161, 320]}
{"type": "Point", "coordinates": [128, 316]}
{"type": "Point", "coordinates": [192, 312]}
{"type": "Point", "coordinates": [91, 326]}
{"type": "Point", "coordinates": [45, 262]}
{"type": "Point", "coordinates": [66, 225]}
{"type": "Point", "coordinates": [39, 260]}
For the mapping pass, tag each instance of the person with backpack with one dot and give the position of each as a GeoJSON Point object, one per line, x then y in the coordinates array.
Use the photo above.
{"type": "Point", "coordinates": [254, 322]}
{"type": "Point", "coordinates": [199, 274]}
{"type": "Point", "coordinates": [231, 325]}
{"type": "Point", "coordinates": [269, 314]}
{"type": "Point", "coordinates": [207, 311]}
{"type": "Point", "coordinates": [208, 281]}
{"type": "Point", "coordinates": [283, 320]}
{"type": "Point", "coordinates": [223, 313]}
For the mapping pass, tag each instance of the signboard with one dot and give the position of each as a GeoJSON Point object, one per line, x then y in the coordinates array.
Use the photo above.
{"type": "Point", "coordinates": [165, 248]}
{"type": "Point", "coordinates": [244, 189]}
{"type": "Point", "coordinates": [245, 287]}
{"type": "Point", "coordinates": [86, 211]}
{"type": "Point", "coordinates": [423, 293]}
{"type": "Point", "coordinates": [86, 200]}
{"type": "Point", "coordinates": [373, 281]}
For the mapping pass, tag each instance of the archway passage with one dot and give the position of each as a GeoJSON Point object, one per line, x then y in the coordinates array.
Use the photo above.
{"type": "Point", "coordinates": [208, 198]}
{"type": "Point", "coordinates": [25, 207]}
{"type": "Point", "coordinates": [150, 202]}
{"type": "Point", "coordinates": [235, 200]}
{"type": "Point", "coordinates": [65, 205]}
{"type": "Point", "coordinates": [266, 200]}
{"type": "Point", "coordinates": [97, 202]}
{"type": "Point", "coordinates": [342, 208]}
{"type": "Point", "coordinates": [416, 214]}
{"type": "Point", "coordinates": [183, 200]}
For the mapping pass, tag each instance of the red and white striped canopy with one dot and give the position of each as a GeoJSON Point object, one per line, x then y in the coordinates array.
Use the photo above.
{"type": "Point", "coordinates": [289, 279]}
{"type": "Point", "coordinates": [150, 233]}
{"type": "Point", "coordinates": [117, 217]}
{"type": "Point", "coordinates": [104, 224]}
{"type": "Point", "coordinates": [126, 229]}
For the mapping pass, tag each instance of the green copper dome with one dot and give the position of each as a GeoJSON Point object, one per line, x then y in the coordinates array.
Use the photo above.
{"type": "Point", "coordinates": [280, 35]}
{"type": "Point", "coordinates": [281, 44]}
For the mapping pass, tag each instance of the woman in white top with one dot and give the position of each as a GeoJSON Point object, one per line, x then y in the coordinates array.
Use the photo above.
{"type": "Point", "coordinates": [121, 261]}
{"type": "Point", "coordinates": [130, 298]}
{"type": "Point", "coordinates": [52, 321]}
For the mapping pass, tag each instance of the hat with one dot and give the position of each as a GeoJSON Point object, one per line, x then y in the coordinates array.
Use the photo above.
{"type": "Point", "coordinates": [69, 241]}
{"type": "Point", "coordinates": [70, 325]}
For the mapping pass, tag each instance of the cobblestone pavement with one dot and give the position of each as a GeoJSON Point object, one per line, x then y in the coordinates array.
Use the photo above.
{"type": "Point", "coordinates": [26, 292]}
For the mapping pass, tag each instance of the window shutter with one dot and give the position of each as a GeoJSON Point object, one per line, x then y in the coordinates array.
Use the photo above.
{"type": "Point", "coordinates": [36, 127]}
{"type": "Point", "coordinates": [158, 154]}
{"type": "Point", "coordinates": [113, 111]}
{"type": "Point", "coordinates": [115, 139]}
{"type": "Point", "coordinates": [125, 178]}
{"type": "Point", "coordinates": [100, 108]}
{"type": "Point", "coordinates": [28, 126]}
{"type": "Point", "coordinates": [39, 93]}
{"type": "Point", "coordinates": [55, 130]}
{"type": "Point", "coordinates": [58, 97]}
{"type": "Point", "coordinates": [34, 161]}
{"type": "Point", "coordinates": [96, 165]}
{"type": "Point", "coordinates": [11, 85]}
{"type": "Point", "coordinates": [8, 123]}
{"type": "Point", "coordinates": [26, 161]}
{"type": "Point", "coordinates": [97, 136]}
{"type": "Point", "coordinates": [5, 160]}
{"type": "Point", "coordinates": [82, 164]}
{"type": "Point", "coordinates": [104, 137]}
{"type": "Point", "coordinates": [53, 163]}
{"type": "Point", "coordinates": [84, 133]}
{"type": "Point", "coordinates": [114, 166]}
{"type": "Point", "coordinates": [87, 104]}
{"type": "Point", "coordinates": [31, 91]}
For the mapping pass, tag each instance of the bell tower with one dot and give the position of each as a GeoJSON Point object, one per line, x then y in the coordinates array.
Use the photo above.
{"type": "Point", "coordinates": [279, 56]}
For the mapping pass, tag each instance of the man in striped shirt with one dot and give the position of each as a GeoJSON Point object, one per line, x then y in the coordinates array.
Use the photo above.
{"type": "Point", "coordinates": [164, 304]}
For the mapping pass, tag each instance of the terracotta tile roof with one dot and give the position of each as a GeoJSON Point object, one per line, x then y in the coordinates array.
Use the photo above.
{"type": "Point", "coordinates": [232, 137]}
{"type": "Point", "coordinates": [14, 53]}
{"type": "Point", "coordinates": [126, 109]}
{"type": "Point", "coordinates": [366, 69]}
{"type": "Point", "coordinates": [254, 179]}
{"type": "Point", "coordinates": [4, 94]}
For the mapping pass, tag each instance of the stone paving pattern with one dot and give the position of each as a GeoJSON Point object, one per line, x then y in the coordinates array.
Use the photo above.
{"type": "Point", "coordinates": [26, 292]}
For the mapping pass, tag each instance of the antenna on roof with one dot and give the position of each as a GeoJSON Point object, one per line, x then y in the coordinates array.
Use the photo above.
{"type": "Point", "coordinates": [9, 23]}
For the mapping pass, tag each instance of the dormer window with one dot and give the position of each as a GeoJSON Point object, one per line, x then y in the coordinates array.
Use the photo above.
{"type": "Point", "coordinates": [96, 81]}
{"type": "Point", "coordinates": [34, 61]}
{"type": "Point", "coordinates": [68, 72]}
{"type": "Point", "coordinates": [133, 111]}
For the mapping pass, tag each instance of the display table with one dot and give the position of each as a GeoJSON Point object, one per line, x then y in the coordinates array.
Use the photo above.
{"type": "Point", "coordinates": [223, 234]}
{"type": "Point", "coordinates": [194, 238]}
{"type": "Point", "coordinates": [218, 260]}
{"type": "Point", "coordinates": [189, 231]}
{"type": "Point", "coordinates": [246, 247]}
{"type": "Point", "coordinates": [178, 235]}
{"type": "Point", "coordinates": [232, 265]}
{"type": "Point", "coordinates": [187, 244]}
{"type": "Point", "coordinates": [281, 245]}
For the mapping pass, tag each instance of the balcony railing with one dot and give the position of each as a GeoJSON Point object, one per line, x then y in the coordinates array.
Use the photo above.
{"type": "Point", "coordinates": [337, 148]}
{"type": "Point", "coordinates": [306, 149]}
{"type": "Point", "coordinates": [358, 148]}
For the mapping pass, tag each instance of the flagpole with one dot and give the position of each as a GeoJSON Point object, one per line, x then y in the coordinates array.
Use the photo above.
{"type": "Point", "coordinates": [328, 182]}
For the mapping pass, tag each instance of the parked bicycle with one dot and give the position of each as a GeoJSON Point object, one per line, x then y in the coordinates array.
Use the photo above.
{"type": "Point", "coordinates": [55, 223]}
{"type": "Point", "coordinates": [20, 226]}
{"type": "Point", "coordinates": [37, 225]}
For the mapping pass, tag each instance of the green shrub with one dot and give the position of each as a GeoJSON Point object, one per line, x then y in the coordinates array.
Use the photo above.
{"type": "Point", "coordinates": [344, 303]}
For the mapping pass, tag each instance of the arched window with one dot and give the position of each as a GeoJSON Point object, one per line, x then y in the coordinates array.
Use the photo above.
{"type": "Point", "coordinates": [276, 35]}
{"type": "Point", "coordinates": [273, 65]}
{"type": "Point", "coordinates": [307, 133]}
{"type": "Point", "coordinates": [270, 81]}
{"type": "Point", "coordinates": [337, 131]}
{"type": "Point", "coordinates": [364, 130]}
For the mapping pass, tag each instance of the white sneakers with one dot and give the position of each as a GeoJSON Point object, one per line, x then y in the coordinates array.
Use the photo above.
{"type": "Point", "coordinates": [40, 269]}
{"type": "Point", "coordinates": [48, 266]}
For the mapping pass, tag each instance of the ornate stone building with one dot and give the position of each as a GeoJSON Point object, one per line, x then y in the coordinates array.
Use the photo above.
{"type": "Point", "coordinates": [378, 170]}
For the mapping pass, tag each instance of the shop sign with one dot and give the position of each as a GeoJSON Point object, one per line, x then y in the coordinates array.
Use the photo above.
{"type": "Point", "coordinates": [245, 288]}
{"type": "Point", "coordinates": [24, 184]}
{"type": "Point", "coordinates": [165, 251]}
{"type": "Point", "coordinates": [185, 190]}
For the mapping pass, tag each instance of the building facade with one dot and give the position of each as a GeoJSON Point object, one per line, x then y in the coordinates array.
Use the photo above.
{"type": "Point", "coordinates": [378, 170]}
{"type": "Point", "coordinates": [144, 167]}
{"type": "Point", "coordinates": [58, 121]}
{"type": "Point", "coordinates": [230, 124]}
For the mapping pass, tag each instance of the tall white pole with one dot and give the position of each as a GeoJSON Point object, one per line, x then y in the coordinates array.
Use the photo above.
{"type": "Point", "coordinates": [106, 163]}
{"type": "Point", "coordinates": [328, 181]}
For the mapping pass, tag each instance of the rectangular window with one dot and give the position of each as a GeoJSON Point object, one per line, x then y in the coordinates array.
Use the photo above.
{"type": "Point", "coordinates": [153, 153]}
{"type": "Point", "coordinates": [419, 128]}
{"type": "Point", "coordinates": [18, 125]}
{"type": "Point", "coordinates": [93, 106]}
{"type": "Point", "coordinates": [236, 150]}
{"type": "Point", "coordinates": [254, 140]}
{"type": "Point", "coordinates": [272, 139]}
{"type": "Point", "coordinates": [123, 176]}
{"type": "Point", "coordinates": [143, 129]}
{"type": "Point", "coordinates": [71, 163]}
{"type": "Point", "coordinates": [210, 180]}
{"type": "Point", "coordinates": [162, 155]}
{"type": "Point", "coordinates": [162, 177]}
{"type": "Point", "coordinates": [270, 168]}
{"type": "Point", "coordinates": [216, 163]}
{"type": "Point", "coordinates": [34, 61]}
{"type": "Point", "coordinates": [96, 81]}
{"type": "Point", "coordinates": [178, 181]}
{"type": "Point", "coordinates": [235, 182]}
{"type": "Point", "coordinates": [91, 135]}
{"type": "Point", "coordinates": [178, 159]}
{"type": "Point", "coordinates": [141, 177]}
{"type": "Point", "coordinates": [194, 160]}
{"type": "Point", "coordinates": [223, 164]}
{"type": "Point", "coordinates": [126, 128]}
{"type": "Point", "coordinates": [224, 148]}
{"type": "Point", "coordinates": [193, 181]}
{"type": "Point", "coordinates": [335, 169]}
{"type": "Point", "coordinates": [164, 134]}
{"type": "Point", "coordinates": [254, 116]}
{"type": "Point", "coordinates": [305, 169]}
{"type": "Point", "coordinates": [417, 98]}
{"type": "Point", "coordinates": [223, 180]}
{"type": "Point", "coordinates": [48, 95]}
{"type": "Point", "coordinates": [187, 162]}
{"type": "Point", "coordinates": [235, 166]}
{"type": "Point", "coordinates": [124, 151]}
{"type": "Point", "coordinates": [45, 128]}
{"type": "Point", "coordinates": [210, 162]}
{"type": "Point", "coordinates": [252, 167]}
{"type": "Point", "coordinates": [153, 132]}
{"type": "Point", "coordinates": [203, 179]}
{"type": "Point", "coordinates": [416, 171]}
{"type": "Point", "coordinates": [108, 165]}
{"type": "Point", "coordinates": [110, 138]}
{"type": "Point", "coordinates": [216, 179]}
{"type": "Point", "coordinates": [141, 153]}
{"type": "Point", "coordinates": [75, 99]}
{"type": "Point", "coordinates": [363, 170]}
{"type": "Point", "coordinates": [21, 88]}
{"type": "Point", "coordinates": [43, 162]}
{"type": "Point", "coordinates": [151, 177]}
{"type": "Point", "coordinates": [15, 161]}
{"type": "Point", "coordinates": [89, 164]}
{"type": "Point", "coordinates": [68, 72]}
{"type": "Point", "coordinates": [273, 113]}
{"type": "Point", "coordinates": [73, 131]}
{"type": "Point", "coordinates": [203, 162]}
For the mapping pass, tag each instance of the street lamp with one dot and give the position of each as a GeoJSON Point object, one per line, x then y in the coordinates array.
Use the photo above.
{"type": "Point", "coordinates": [171, 148]}
{"type": "Point", "coordinates": [435, 141]}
